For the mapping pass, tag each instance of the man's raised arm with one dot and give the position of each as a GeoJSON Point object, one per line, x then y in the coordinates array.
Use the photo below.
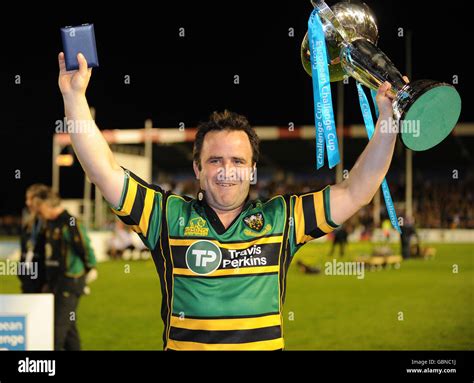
{"type": "Point", "coordinates": [89, 144]}
{"type": "Point", "coordinates": [347, 197]}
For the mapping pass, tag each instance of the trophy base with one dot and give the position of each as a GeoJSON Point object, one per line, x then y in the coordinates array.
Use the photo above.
{"type": "Point", "coordinates": [427, 112]}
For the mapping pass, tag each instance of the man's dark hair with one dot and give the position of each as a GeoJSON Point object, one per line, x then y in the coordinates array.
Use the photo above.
{"type": "Point", "coordinates": [36, 188]}
{"type": "Point", "coordinates": [221, 121]}
{"type": "Point", "coordinates": [48, 196]}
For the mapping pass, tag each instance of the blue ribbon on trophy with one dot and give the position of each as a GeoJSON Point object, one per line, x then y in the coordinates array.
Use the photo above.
{"type": "Point", "coordinates": [369, 127]}
{"type": "Point", "coordinates": [326, 136]}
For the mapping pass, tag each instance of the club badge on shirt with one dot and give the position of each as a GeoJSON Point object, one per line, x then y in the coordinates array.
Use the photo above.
{"type": "Point", "coordinates": [255, 221]}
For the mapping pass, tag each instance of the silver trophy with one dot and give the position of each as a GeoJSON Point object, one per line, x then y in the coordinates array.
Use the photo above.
{"type": "Point", "coordinates": [425, 111]}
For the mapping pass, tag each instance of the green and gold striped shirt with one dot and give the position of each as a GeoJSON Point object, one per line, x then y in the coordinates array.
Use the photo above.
{"type": "Point", "coordinates": [222, 289]}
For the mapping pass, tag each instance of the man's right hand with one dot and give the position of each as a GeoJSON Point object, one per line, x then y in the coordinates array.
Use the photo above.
{"type": "Point", "coordinates": [73, 83]}
{"type": "Point", "coordinates": [90, 146]}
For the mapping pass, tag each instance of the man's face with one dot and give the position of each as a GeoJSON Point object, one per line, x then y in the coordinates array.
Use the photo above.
{"type": "Point", "coordinates": [29, 202]}
{"type": "Point", "coordinates": [43, 209]}
{"type": "Point", "coordinates": [226, 165]}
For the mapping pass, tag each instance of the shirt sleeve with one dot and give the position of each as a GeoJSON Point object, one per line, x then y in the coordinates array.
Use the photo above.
{"type": "Point", "coordinates": [311, 216]}
{"type": "Point", "coordinates": [140, 207]}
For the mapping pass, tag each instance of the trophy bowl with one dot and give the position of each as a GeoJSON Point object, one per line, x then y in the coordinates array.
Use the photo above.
{"type": "Point", "coordinates": [358, 21]}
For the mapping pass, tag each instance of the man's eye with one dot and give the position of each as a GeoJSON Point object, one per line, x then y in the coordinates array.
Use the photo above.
{"type": "Point", "coordinates": [214, 161]}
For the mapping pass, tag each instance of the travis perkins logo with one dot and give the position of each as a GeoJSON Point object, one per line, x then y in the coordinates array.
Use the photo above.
{"type": "Point", "coordinates": [204, 257]}
{"type": "Point", "coordinates": [245, 258]}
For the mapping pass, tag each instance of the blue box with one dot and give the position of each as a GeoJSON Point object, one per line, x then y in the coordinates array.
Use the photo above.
{"type": "Point", "coordinates": [13, 332]}
{"type": "Point", "coordinates": [79, 39]}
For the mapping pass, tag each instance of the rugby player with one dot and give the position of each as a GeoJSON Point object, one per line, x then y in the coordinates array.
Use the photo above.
{"type": "Point", "coordinates": [222, 258]}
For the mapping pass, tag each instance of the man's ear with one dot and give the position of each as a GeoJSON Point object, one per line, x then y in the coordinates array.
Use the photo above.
{"type": "Point", "coordinates": [196, 169]}
{"type": "Point", "coordinates": [253, 175]}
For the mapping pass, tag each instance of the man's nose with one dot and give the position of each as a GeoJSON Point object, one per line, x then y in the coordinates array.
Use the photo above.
{"type": "Point", "coordinates": [228, 170]}
{"type": "Point", "coordinates": [228, 167]}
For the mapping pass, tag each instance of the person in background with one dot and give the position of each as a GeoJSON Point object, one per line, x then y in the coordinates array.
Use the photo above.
{"type": "Point", "coordinates": [32, 242]}
{"type": "Point", "coordinates": [68, 259]}
{"type": "Point", "coordinates": [121, 240]}
{"type": "Point", "coordinates": [340, 238]}
{"type": "Point", "coordinates": [408, 233]}
{"type": "Point", "coordinates": [386, 228]}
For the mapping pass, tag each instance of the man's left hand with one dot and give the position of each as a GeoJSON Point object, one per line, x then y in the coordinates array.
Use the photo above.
{"type": "Point", "coordinates": [384, 99]}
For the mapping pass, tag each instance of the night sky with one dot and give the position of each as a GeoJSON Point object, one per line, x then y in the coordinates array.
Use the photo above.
{"type": "Point", "coordinates": [177, 79]}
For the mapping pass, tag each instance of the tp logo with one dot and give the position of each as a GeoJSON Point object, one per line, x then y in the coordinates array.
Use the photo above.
{"type": "Point", "coordinates": [203, 257]}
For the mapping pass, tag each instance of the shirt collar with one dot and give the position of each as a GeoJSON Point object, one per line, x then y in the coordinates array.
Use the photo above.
{"type": "Point", "coordinates": [212, 215]}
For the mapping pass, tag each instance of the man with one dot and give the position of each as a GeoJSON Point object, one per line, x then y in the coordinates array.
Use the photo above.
{"type": "Point", "coordinates": [68, 258]}
{"type": "Point", "coordinates": [408, 233]}
{"type": "Point", "coordinates": [32, 244]}
{"type": "Point", "coordinates": [340, 238]}
{"type": "Point", "coordinates": [121, 241]}
{"type": "Point", "coordinates": [222, 258]}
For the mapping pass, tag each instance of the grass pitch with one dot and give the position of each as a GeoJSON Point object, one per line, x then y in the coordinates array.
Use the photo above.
{"type": "Point", "coordinates": [423, 305]}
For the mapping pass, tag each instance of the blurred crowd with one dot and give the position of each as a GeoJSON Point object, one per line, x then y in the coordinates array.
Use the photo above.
{"type": "Point", "coordinates": [436, 204]}
{"type": "Point", "coordinates": [445, 205]}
